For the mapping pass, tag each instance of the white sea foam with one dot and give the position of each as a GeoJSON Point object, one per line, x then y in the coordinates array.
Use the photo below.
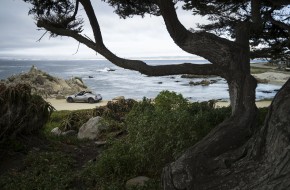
{"type": "Point", "coordinates": [130, 84]}
{"type": "Point", "coordinates": [106, 69]}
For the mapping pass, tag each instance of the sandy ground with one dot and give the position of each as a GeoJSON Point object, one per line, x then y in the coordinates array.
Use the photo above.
{"type": "Point", "coordinates": [274, 77]}
{"type": "Point", "coordinates": [260, 104]}
{"type": "Point", "coordinates": [63, 105]}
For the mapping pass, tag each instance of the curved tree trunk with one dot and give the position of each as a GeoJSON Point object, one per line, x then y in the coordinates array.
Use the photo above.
{"type": "Point", "coordinates": [260, 162]}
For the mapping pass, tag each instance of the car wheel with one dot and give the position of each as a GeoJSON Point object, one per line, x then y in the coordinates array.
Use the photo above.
{"type": "Point", "coordinates": [69, 99]}
{"type": "Point", "coordinates": [91, 100]}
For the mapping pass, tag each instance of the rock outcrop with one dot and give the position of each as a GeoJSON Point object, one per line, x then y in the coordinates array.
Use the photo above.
{"type": "Point", "coordinates": [92, 129]}
{"type": "Point", "coordinates": [46, 85]}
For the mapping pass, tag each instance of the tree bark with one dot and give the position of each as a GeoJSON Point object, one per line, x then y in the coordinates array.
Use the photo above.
{"type": "Point", "coordinates": [242, 84]}
{"type": "Point", "coordinates": [260, 162]}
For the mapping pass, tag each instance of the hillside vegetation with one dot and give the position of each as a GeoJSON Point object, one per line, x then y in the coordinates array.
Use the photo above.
{"type": "Point", "coordinates": [142, 138]}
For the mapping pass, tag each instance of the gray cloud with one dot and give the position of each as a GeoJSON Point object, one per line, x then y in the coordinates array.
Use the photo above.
{"type": "Point", "coordinates": [127, 38]}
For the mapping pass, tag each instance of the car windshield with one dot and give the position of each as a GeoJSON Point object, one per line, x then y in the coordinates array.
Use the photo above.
{"type": "Point", "coordinates": [80, 93]}
{"type": "Point", "coordinates": [84, 92]}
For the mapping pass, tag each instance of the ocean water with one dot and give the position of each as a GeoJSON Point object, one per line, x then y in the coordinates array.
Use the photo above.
{"type": "Point", "coordinates": [131, 84]}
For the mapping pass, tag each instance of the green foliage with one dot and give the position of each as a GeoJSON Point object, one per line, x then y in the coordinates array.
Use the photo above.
{"type": "Point", "coordinates": [75, 119]}
{"type": "Point", "coordinates": [113, 167]}
{"type": "Point", "coordinates": [21, 113]}
{"type": "Point", "coordinates": [157, 134]}
{"type": "Point", "coordinates": [134, 7]}
{"type": "Point", "coordinates": [55, 120]}
{"type": "Point", "coordinates": [60, 14]}
{"type": "Point", "coordinates": [69, 120]}
{"type": "Point", "coordinates": [116, 110]}
{"type": "Point", "coordinates": [43, 171]}
{"type": "Point", "coordinates": [171, 126]}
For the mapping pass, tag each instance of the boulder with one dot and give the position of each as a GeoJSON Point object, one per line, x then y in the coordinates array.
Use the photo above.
{"type": "Point", "coordinates": [79, 82]}
{"type": "Point", "coordinates": [92, 128]}
{"type": "Point", "coordinates": [56, 131]}
{"type": "Point", "coordinates": [202, 83]}
{"type": "Point", "coordinates": [137, 181]}
{"type": "Point", "coordinates": [118, 98]}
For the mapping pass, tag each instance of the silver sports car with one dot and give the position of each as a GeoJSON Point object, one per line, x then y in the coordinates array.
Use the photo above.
{"type": "Point", "coordinates": [84, 96]}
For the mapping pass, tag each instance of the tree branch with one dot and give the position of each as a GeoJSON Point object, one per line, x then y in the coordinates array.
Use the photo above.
{"type": "Point", "coordinates": [279, 2]}
{"type": "Point", "coordinates": [93, 21]}
{"type": "Point", "coordinates": [42, 36]}
{"type": "Point", "coordinates": [179, 33]}
{"type": "Point", "coordinates": [76, 9]}
{"type": "Point", "coordinates": [77, 49]}
{"type": "Point", "coordinates": [280, 24]}
{"type": "Point", "coordinates": [73, 17]}
{"type": "Point", "coordinates": [215, 49]}
{"type": "Point", "coordinates": [189, 68]}
{"type": "Point", "coordinates": [65, 32]}
{"type": "Point", "coordinates": [142, 67]}
{"type": "Point", "coordinates": [257, 24]}
{"type": "Point", "coordinates": [255, 11]}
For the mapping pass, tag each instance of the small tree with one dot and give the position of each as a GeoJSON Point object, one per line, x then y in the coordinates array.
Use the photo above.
{"type": "Point", "coordinates": [255, 28]}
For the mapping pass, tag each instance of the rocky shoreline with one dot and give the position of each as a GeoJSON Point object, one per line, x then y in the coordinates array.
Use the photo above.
{"type": "Point", "coordinates": [51, 88]}
{"type": "Point", "coordinates": [46, 85]}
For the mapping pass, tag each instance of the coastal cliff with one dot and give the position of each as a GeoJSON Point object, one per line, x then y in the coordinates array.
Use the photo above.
{"type": "Point", "coordinates": [46, 85]}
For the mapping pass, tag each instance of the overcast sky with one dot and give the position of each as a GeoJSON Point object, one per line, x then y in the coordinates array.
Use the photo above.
{"type": "Point", "coordinates": [133, 37]}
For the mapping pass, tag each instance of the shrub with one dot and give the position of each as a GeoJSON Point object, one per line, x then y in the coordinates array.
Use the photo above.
{"type": "Point", "coordinates": [116, 110]}
{"type": "Point", "coordinates": [157, 134]}
{"type": "Point", "coordinates": [168, 127]}
{"type": "Point", "coordinates": [21, 112]}
{"type": "Point", "coordinates": [75, 119]}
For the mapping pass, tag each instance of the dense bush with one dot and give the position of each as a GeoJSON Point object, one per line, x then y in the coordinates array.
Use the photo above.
{"type": "Point", "coordinates": [21, 113]}
{"type": "Point", "coordinates": [116, 110]}
{"type": "Point", "coordinates": [162, 131]}
{"type": "Point", "coordinates": [158, 132]}
{"type": "Point", "coordinates": [73, 120]}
